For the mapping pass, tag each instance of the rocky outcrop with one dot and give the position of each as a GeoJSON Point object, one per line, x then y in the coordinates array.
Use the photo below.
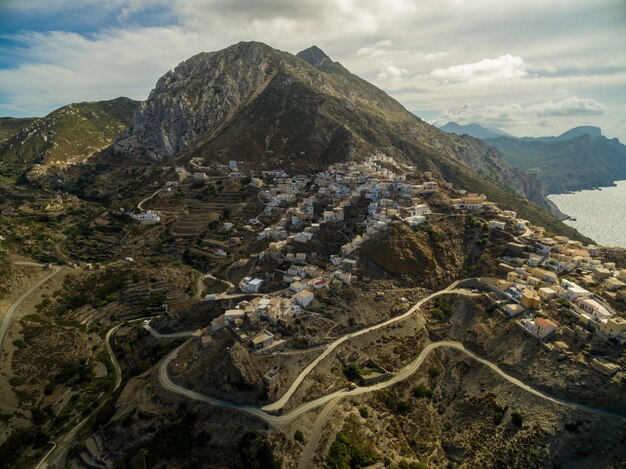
{"type": "Point", "coordinates": [197, 98]}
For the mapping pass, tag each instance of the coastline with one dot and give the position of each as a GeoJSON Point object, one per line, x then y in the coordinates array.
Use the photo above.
{"type": "Point", "coordinates": [596, 213]}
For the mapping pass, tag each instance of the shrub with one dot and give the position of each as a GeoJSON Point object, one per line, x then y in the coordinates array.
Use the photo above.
{"type": "Point", "coordinates": [517, 419]}
{"type": "Point", "coordinates": [433, 371]}
{"type": "Point", "coordinates": [352, 372]}
{"type": "Point", "coordinates": [403, 407]}
{"type": "Point", "coordinates": [421, 392]}
{"type": "Point", "coordinates": [39, 416]}
{"type": "Point", "coordinates": [298, 436]}
{"type": "Point", "coordinates": [347, 453]}
{"type": "Point", "coordinates": [498, 413]}
{"type": "Point", "coordinates": [16, 381]}
{"type": "Point", "coordinates": [364, 412]}
{"type": "Point", "coordinates": [19, 343]}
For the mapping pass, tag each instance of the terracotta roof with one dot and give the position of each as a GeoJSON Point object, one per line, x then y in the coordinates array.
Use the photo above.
{"type": "Point", "coordinates": [545, 322]}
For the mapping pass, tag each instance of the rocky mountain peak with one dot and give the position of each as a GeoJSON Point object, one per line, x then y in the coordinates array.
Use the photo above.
{"type": "Point", "coordinates": [314, 55]}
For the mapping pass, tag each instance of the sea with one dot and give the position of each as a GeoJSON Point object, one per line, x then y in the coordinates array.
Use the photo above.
{"type": "Point", "coordinates": [597, 214]}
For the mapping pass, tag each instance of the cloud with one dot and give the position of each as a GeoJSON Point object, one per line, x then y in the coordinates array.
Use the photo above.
{"type": "Point", "coordinates": [484, 71]}
{"type": "Point", "coordinates": [390, 72]}
{"type": "Point", "coordinates": [68, 67]}
{"type": "Point", "coordinates": [523, 118]}
{"type": "Point", "coordinates": [503, 114]}
{"type": "Point", "coordinates": [428, 55]}
{"type": "Point", "coordinates": [381, 48]}
{"type": "Point", "coordinates": [573, 106]}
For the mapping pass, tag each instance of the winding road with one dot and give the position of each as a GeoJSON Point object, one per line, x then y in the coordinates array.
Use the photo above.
{"type": "Point", "coordinates": [147, 198]}
{"type": "Point", "coordinates": [65, 443]}
{"type": "Point", "coordinates": [267, 414]}
{"type": "Point", "coordinates": [403, 374]}
{"type": "Point", "coordinates": [8, 317]}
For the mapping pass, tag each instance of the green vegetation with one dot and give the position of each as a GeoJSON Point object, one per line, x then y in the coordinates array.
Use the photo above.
{"type": "Point", "coordinates": [347, 453]}
{"type": "Point", "coordinates": [498, 410]}
{"type": "Point", "coordinates": [5, 272]}
{"type": "Point", "coordinates": [442, 309]}
{"type": "Point", "coordinates": [422, 392]}
{"type": "Point", "coordinates": [353, 372]}
{"type": "Point", "coordinates": [433, 371]}
{"type": "Point", "coordinates": [17, 443]}
{"type": "Point", "coordinates": [9, 126]}
{"type": "Point", "coordinates": [363, 412]}
{"type": "Point", "coordinates": [96, 290]}
{"type": "Point", "coordinates": [298, 436]}
{"type": "Point", "coordinates": [19, 343]}
{"type": "Point", "coordinates": [16, 381]}
{"type": "Point", "coordinates": [566, 165]}
{"type": "Point", "coordinates": [517, 419]}
{"type": "Point", "coordinates": [393, 402]}
{"type": "Point", "coordinates": [172, 440]}
{"type": "Point", "coordinates": [75, 130]}
{"type": "Point", "coordinates": [255, 453]}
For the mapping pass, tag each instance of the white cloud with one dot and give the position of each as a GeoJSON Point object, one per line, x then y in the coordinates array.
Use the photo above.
{"type": "Point", "coordinates": [428, 55]}
{"type": "Point", "coordinates": [390, 72]}
{"type": "Point", "coordinates": [484, 71]}
{"type": "Point", "coordinates": [535, 118]}
{"type": "Point", "coordinates": [381, 48]}
{"type": "Point", "coordinates": [573, 106]}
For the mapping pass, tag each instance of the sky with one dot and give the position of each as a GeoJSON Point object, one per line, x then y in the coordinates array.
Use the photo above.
{"type": "Point", "coordinates": [529, 67]}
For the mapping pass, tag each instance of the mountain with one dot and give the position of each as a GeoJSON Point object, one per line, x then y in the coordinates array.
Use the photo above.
{"type": "Point", "coordinates": [68, 134]}
{"type": "Point", "coordinates": [581, 158]}
{"type": "Point", "coordinates": [589, 130]}
{"type": "Point", "coordinates": [272, 109]}
{"type": "Point", "coordinates": [9, 126]}
{"type": "Point", "coordinates": [474, 130]}
{"type": "Point", "coordinates": [592, 131]}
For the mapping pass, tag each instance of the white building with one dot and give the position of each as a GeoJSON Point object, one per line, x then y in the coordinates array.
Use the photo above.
{"type": "Point", "coordinates": [250, 285]}
{"type": "Point", "coordinates": [303, 298]}
{"type": "Point", "coordinates": [592, 307]}
{"type": "Point", "coordinates": [148, 216]}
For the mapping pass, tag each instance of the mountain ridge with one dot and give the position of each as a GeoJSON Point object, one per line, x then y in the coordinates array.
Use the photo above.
{"type": "Point", "coordinates": [474, 130]}
{"type": "Point", "coordinates": [67, 135]}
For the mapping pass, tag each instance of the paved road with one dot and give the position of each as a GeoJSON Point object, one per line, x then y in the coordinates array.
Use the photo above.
{"type": "Point", "coordinates": [148, 198]}
{"type": "Point", "coordinates": [280, 403]}
{"type": "Point", "coordinates": [8, 317]}
{"type": "Point", "coordinates": [403, 374]}
{"type": "Point", "coordinates": [316, 435]}
{"type": "Point", "coordinates": [266, 412]}
{"type": "Point", "coordinates": [116, 364]}
{"type": "Point", "coordinates": [64, 444]}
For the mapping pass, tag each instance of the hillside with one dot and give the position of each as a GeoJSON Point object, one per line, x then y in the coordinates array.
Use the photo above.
{"type": "Point", "coordinates": [580, 162]}
{"type": "Point", "coordinates": [272, 109]}
{"type": "Point", "coordinates": [67, 135]}
{"type": "Point", "coordinates": [9, 126]}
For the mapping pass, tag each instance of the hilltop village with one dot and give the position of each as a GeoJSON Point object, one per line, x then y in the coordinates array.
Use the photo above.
{"type": "Point", "coordinates": [265, 292]}
{"type": "Point", "coordinates": [556, 289]}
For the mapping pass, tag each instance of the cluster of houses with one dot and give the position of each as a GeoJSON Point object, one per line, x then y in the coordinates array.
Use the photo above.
{"type": "Point", "coordinates": [541, 272]}
{"type": "Point", "coordinates": [544, 273]}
